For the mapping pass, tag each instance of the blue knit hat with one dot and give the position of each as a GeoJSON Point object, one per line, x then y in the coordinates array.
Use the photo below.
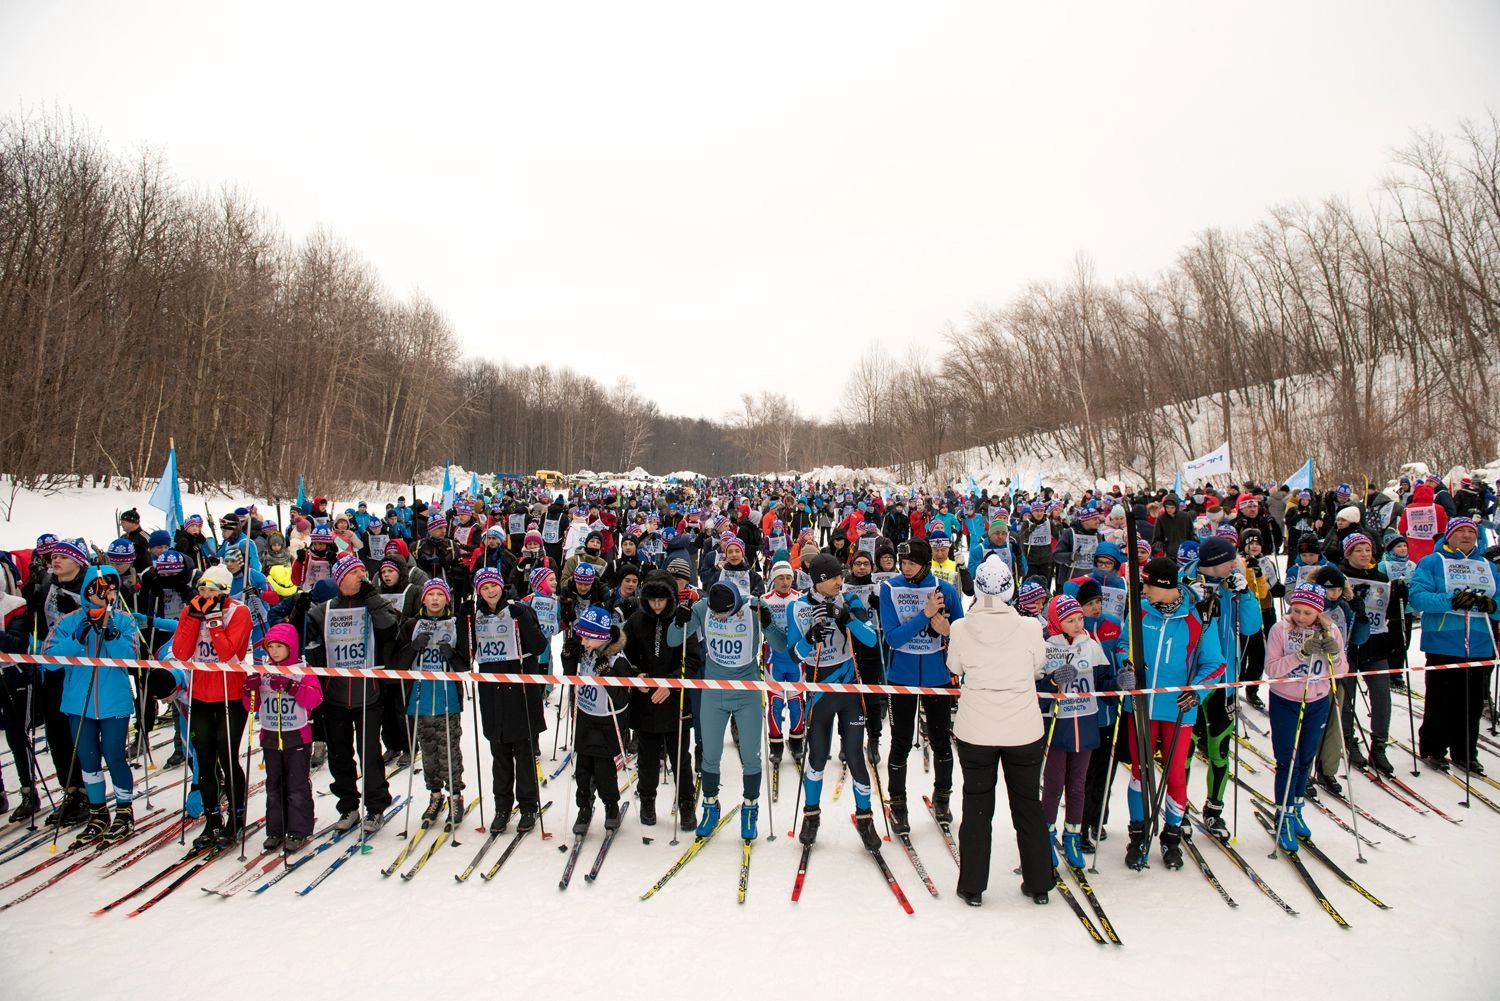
{"type": "Point", "coordinates": [76, 550]}
{"type": "Point", "coordinates": [594, 623]}
{"type": "Point", "coordinates": [489, 575]}
{"type": "Point", "coordinates": [121, 552]}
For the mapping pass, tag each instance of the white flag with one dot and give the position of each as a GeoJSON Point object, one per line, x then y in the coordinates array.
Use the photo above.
{"type": "Point", "coordinates": [1215, 463]}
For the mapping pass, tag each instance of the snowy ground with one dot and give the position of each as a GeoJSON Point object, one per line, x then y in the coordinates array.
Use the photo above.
{"type": "Point", "coordinates": [384, 937]}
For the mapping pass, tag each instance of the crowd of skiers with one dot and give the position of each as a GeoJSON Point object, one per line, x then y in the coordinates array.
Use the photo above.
{"type": "Point", "coordinates": [1005, 597]}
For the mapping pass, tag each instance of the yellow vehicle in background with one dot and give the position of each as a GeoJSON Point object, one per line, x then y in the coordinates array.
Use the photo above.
{"type": "Point", "coordinates": [550, 477]}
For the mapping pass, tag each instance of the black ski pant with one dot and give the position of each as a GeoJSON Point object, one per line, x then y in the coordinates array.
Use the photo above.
{"type": "Point", "coordinates": [59, 732]}
{"type": "Point", "coordinates": [513, 766]}
{"type": "Point", "coordinates": [1023, 773]}
{"type": "Point", "coordinates": [938, 710]}
{"type": "Point", "coordinates": [596, 772]}
{"type": "Point", "coordinates": [649, 747]}
{"type": "Point", "coordinates": [1454, 705]}
{"type": "Point", "coordinates": [350, 731]}
{"type": "Point", "coordinates": [216, 732]}
{"type": "Point", "coordinates": [393, 720]}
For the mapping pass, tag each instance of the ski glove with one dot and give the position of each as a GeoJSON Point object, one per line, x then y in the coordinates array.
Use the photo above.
{"type": "Point", "coordinates": [1237, 582]}
{"type": "Point", "coordinates": [766, 618]}
{"type": "Point", "coordinates": [1065, 676]}
{"type": "Point", "coordinates": [1187, 701]}
{"type": "Point", "coordinates": [446, 649]}
{"type": "Point", "coordinates": [1125, 679]}
{"type": "Point", "coordinates": [683, 615]}
{"type": "Point", "coordinates": [1484, 603]}
{"type": "Point", "coordinates": [841, 620]}
{"type": "Point", "coordinates": [202, 606]}
{"type": "Point", "coordinates": [1463, 600]}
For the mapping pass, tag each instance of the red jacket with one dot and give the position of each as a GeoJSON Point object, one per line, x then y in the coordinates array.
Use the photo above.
{"type": "Point", "coordinates": [1418, 510]}
{"type": "Point", "coordinates": [231, 642]}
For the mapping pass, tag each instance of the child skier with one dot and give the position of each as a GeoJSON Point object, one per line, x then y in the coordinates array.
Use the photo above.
{"type": "Point", "coordinates": [599, 731]}
{"type": "Point", "coordinates": [1306, 645]}
{"type": "Point", "coordinates": [507, 640]}
{"type": "Point", "coordinates": [1076, 666]}
{"type": "Point", "coordinates": [284, 706]}
{"type": "Point", "coordinates": [435, 641]}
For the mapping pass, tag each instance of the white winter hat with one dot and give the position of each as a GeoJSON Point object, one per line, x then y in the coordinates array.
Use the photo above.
{"type": "Point", "coordinates": [783, 567]}
{"type": "Point", "coordinates": [1349, 514]}
{"type": "Point", "coordinates": [217, 576]}
{"type": "Point", "coordinates": [993, 578]}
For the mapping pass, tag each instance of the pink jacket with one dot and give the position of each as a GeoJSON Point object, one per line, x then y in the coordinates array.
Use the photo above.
{"type": "Point", "coordinates": [1283, 661]}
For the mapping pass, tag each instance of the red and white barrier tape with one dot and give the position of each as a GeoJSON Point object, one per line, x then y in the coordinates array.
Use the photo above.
{"type": "Point", "coordinates": [704, 684]}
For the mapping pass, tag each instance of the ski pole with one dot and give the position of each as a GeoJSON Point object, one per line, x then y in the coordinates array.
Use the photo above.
{"type": "Point", "coordinates": [677, 750]}
{"type": "Point", "coordinates": [1109, 782]}
{"type": "Point", "coordinates": [807, 739]}
{"type": "Point", "coordinates": [249, 757]}
{"type": "Point", "coordinates": [1411, 713]}
{"type": "Point", "coordinates": [448, 748]}
{"type": "Point", "coordinates": [1153, 821]}
{"type": "Point", "coordinates": [1469, 749]}
{"type": "Point", "coordinates": [189, 757]}
{"type": "Point", "coordinates": [1359, 849]}
{"type": "Point", "coordinates": [478, 768]}
{"type": "Point", "coordinates": [411, 771]}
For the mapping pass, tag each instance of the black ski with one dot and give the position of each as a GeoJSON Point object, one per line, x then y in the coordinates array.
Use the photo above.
{"type": "Point", "coordinates": [609, 839]}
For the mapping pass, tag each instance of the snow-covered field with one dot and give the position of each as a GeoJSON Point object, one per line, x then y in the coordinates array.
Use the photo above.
{"type": "Point", "coordinates": [847, 937]}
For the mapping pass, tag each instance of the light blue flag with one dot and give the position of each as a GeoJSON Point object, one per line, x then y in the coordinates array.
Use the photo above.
{"type": "Point", "coordinates": [1015, 484]}
{"type": "Point", "coordinates": [1177, 484]}
{"type": "Point", "coordinates": [301, 495]}
{"type": "Point", "coordinates": [448, 495]}
{"type": "Point", "coordinates": [473, 484]}
{"type": "Point", "coordinates": [1302, 479]}
{"type": "Point", "coordinates": [167, 497]}
{"type": "Point", "coordinates": [885, 492]}
{"type": "Point", "coordinates": [1036, 486]}
{"type": "Point", "coordinates": [973, 486]}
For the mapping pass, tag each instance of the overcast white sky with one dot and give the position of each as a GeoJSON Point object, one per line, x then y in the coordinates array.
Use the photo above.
{"type": "Point", "coordinates": [789, 182]}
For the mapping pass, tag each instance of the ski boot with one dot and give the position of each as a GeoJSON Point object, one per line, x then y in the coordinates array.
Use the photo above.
{"type": "Point", "coordinates": [293, 844]}
{"type": "Point", "coordinates": [272, 843]}
{"type": "Point", "coordinates": [4, 801]}
{"type": "Point", "coordinates": [1286, 833]}
{"type": "Point", "coordinates": [799, 751]}
{"type": "Point", "coordinates": [900, 822]}
{"type": "Point", "coordinates": [1330, 783]}
{"type": "Point", "coordinates": [1357, 757]}
{"type": "Point", "coordinates": [864, 822]}
{"type": "Point", "coordinates": [403, 760]}
{"type": "Point", "coordinates": [97, 826]}
{"type": "Point", "coordinates": [1434, 761]}
{"type": "Point", "coordinates": [175, 760]}
{"type": "Point", "coordinates": [1052, 843]}
{"type": "Point", "coordinates": [584, 818]}
{"type": "Point", "coordinates": [1298, 824]}
{"type": "Point", "coordinates": [319, 755]}
{"type": "Point", "coordinates": [1135, 849]}
{"type": "Point", "coordinates": [527, 821]}
{"type": "Point", "coordinates": [972, 899]}
{"type": "Point", "coordinates": [372, 823]}
{"type": "Point", "coordinates": [811, 816]}
{"type": "Point", "coordinates": [234, 823]}
{"type": "Point", "coordinates": [777, 747]}
{"type": "Point", "coordinates": [940, 808]}
{"type": "Point", "coordinates": [872, 747]}
{"type": "Point", "coordinates": [1213, 820]}
{"type": "Point", "coordinates": [648, 813]}
{"type": "Point", "coordinates": [456, 811]}
{"type": "Point", "coordinates": [612, 816]}
{"type": "Point", "coordinates": [209, 836]}
{"type": "Point", "coordinates": [347, 821]}
{"type": "Point", "coordinates": [1253, 697]}
{"type": "Point", "coordinates": [501, 820]}
{"type": "Point", "coordinates": [434, 808]}
{"type": "Point", "coordinates": [1073, 846]}
{"type": "Point", "coordinates": [390, 757]}
{"type": "Point", "coordinates": [1379, 761]}
{"type": "Point", "coordinates": [687, 815]}
{"type": "Point", "coordinates": [1037, 897]}
{"type": "Point", "coordinates": [749, 814]}
{"type": "Point", "coordinates": [75, 808]}
{"type": "Point", "coordinates": [27, 808]}
{"type": "Point", "coordinates": [710, 816]}
{"type": "Point", "coordinates": [1171, 846]}
{"type": "Point", "coordinates": [122, 826]}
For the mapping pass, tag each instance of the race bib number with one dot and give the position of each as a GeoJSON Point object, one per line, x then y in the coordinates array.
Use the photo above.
{"type": "Point", "coordinates": [1082, 685]}
{"type": "Point", "coordinates": [280, 711]}
{"type": "Point", "coordinates": [778, 606]}
{"type": "Point", "coordinates": [1041, 535]}
{"type": "Point", "coordinates": [1468, 575]}
{"type": "Point", "coordinates": [1377, 603]}
{"type": "Point", "coordinates": [551, 532]}
{"type": "Point", "coordinates": [860, 591]}
{"type": "Point", "coordinates": [835, 649]}
{"type": "Point", "coordinates": [1084, 547]}
{"type": "Point", "coordinates": [1114, 602]}
{"type": "Point", "coordinates": [495, 637]}
{"type": "Point", "coordinates": [802, 580]}
{"type": "Point", "coordinates": [1421, 522]}
{"type": "Point", "coordinates": [317, 572]}
{"type": "Point", "coordinates": [430, 658]}
{"type": "Point", "coordinates": [741, 579]}
{"type": "Point", "coordinates": [346, 634]}
{"type": "Point", "coordinates": [1314, 668]}
{"type": "Point", "coordinates": [908, 603]}
{"type": "Point", "coordinates": [378, 544]}
{"type": "Point", "coordinates": [729, 639]}
{"type": "Point", "coordinates": [516, 524]}
{"type": "Point", "coordinates": [548, 613]}
{"type": "Point", "coordinates": [867, 546]}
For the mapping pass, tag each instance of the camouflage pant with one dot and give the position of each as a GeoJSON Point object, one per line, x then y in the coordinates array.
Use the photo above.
{"type": "Point", "coordinates": [440, 738]}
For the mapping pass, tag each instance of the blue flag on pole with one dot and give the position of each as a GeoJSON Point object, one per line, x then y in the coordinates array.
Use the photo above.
{"type": "Point", "coordinates": [301, 495]}
{"type": "Point", "coordinates": [1177, 484]}
{"type": "Point", "coordinates": [448, 495]}
{"type": "Point", "coordinates": [973, 486]}
{"type": "Point", "coordinates": [473, 484]}
{"type": "Point", "coordinates": [167, 497]}
{"type": "Point", "coordinates": [1302, 479]}
{"type": "Point", "coordinates": [1036, 485]}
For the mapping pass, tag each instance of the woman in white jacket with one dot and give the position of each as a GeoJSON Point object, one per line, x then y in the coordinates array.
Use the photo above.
{"type": "Point", "coordinates": [999, 654]}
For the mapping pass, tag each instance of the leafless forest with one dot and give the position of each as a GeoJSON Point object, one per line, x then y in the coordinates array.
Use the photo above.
{"type": "Point", "coordinates": [134, 308]}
